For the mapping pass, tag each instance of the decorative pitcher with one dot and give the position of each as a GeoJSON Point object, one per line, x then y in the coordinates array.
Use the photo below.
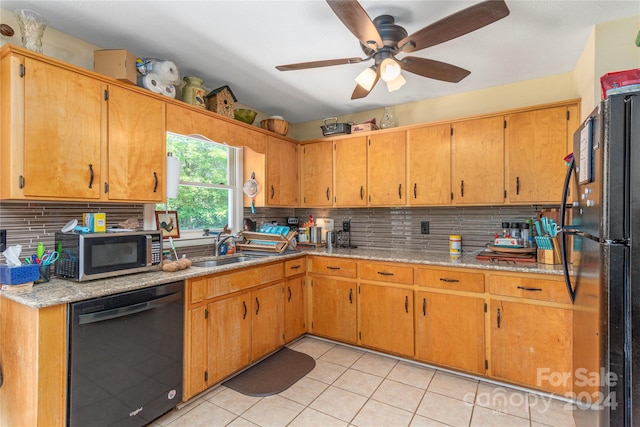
{"type": "Point", "coordinates": [193, 93]}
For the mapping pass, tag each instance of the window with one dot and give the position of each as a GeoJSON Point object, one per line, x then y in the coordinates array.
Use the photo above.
{"type": "Point", "coordinates": [210, 190]}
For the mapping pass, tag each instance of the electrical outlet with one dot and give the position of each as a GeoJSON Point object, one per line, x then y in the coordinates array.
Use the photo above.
{"type": "Point", "coordinates": [346, 226]}
{"type": "Point", "coordinates": [424, 227]}
{"type": "Point", "coordinates": [3, 240]}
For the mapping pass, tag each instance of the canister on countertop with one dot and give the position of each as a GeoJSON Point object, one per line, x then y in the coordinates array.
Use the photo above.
{"type": "Point", "coordinates": [515, 230]}
{"type": "Point", "coordinates": [455, 244]}
{"type": "Point", "coordinates": [526, 235]}
{"type": "Point", "coordinates": [506, 232]}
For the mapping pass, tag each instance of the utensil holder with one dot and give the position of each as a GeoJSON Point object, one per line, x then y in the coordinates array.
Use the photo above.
{"type": "Point", "coordinates": [550, 256]}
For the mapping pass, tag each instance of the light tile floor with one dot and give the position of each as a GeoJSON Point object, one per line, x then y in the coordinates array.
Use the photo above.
{"type": "Point", "coordinates": [354, 387]}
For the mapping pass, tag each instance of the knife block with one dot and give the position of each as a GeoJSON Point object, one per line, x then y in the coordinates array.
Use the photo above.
{"type": "Point", "coordinates": [550, 256]}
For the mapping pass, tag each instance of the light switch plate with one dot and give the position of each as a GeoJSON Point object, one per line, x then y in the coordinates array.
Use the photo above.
{"type": "Point", "coordinates": [424, 227]}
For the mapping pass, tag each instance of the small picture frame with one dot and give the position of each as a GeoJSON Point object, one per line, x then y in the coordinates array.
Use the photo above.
{"type": "Point", "coordinates": [167, 222]}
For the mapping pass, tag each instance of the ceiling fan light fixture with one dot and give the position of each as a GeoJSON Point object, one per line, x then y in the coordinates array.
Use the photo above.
{"type": "Point", "coordinates": [367, 78]}
{"type": "Point", "coordinates": [389, 69]}
{"type": "Point", "coordinates": [396, 84]}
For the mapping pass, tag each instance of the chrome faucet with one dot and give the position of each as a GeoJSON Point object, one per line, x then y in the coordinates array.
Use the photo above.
{"type": "Point", "coordinates": [219, 242]}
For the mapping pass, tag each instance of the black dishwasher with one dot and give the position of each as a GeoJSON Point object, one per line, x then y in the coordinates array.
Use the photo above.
{"type": "Point", "coordinates": [125, 357]}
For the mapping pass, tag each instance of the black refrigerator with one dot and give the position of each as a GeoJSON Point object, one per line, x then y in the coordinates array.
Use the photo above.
{"type": "Point", "coordinates": [603, 276]}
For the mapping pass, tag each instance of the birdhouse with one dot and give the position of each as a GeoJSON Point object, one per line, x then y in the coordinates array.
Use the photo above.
{"type": "Point", "coordinates": [221, 101]}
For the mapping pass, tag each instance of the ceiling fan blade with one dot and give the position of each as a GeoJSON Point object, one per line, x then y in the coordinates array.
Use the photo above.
{"type": "Point", "coordinates": [317, 64]}
{"type": "Point", "coordinates": [433, 69]}
{"type": "Point", "coordinates": [355, 18]}
{"type": "Point", "coordinates": [360, 92]}
{"type": "Point", "coordinates": [455, 25]}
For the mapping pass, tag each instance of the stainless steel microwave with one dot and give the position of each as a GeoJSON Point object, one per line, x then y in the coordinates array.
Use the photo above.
{"type": "Point", "coordinates": [100, 255]}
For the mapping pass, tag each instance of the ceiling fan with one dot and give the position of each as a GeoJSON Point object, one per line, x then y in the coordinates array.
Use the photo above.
{"type": "Point", "coordinates": [381, 40]}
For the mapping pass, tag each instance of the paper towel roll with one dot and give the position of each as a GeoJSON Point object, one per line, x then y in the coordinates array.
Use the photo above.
{"type": "Point", "coordinates": [151, 82]}
{"type": "Point", "coordinates": [173, 176]}
{"type": "Point", "coordinates": [167, 71]}
{"type": "Point", "coordinates": [168, 90]}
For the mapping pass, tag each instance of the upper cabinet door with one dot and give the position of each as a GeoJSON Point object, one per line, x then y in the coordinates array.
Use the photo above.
{"type": "Point", "coordinates": [386, 174]}
{"type": "Point", "coordinates": [317, 174]}
{"type": "Point", "coordinates": [62, 133]}
{"type": "Point", "coordinates": [478, 161]}
{"type": "Point", "coordinates": [137, 147]}
{"type": "Point", "coordinates": [282, 172]}
{"type": "Point", "coordinates": [429, 165]}
{"type": "Point", "coordinates": [536, 144]}
{"type": "Point", "coordinates": [350, 171]}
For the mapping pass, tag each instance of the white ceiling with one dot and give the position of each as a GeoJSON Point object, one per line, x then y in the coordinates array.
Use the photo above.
{"type": "Point", "coordinates": [239, 43]}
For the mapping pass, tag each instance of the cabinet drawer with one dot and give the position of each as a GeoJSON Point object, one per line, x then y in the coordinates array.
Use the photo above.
{"type": "Point", "coordinates": [450, 279]}
{"type": "Point", "coordinates": [197, 290]}
{"type": "Point", "coordinates": [382, 272]}
{"type": "Point", "coordinates": [333, 267]}
{"type": "Point", "coordinates": [237, 281]}
{"type": "Point", "coordinates": [295, 266]}
{"type": "Point", "coordinates": [528, 287]}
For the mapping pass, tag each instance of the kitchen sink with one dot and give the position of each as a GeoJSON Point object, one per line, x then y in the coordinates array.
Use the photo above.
{"type": "Point", "coordinates": [222, 261]}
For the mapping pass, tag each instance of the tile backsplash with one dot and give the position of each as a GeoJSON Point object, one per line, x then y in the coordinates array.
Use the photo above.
{"type": "Point", "coordinates": [28, 223]}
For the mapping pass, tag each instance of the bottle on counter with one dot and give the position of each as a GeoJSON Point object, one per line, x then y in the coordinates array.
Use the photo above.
{"type": "Point", "coordinates": [505, 229]}
{"type": "Point", "coordinates": [515, 230]}
{"type": "Point", "coordinates": [526, 235]}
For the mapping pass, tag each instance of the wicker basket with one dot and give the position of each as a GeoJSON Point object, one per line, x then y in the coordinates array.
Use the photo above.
{"type": "Point", "coordinates": [279, 126]}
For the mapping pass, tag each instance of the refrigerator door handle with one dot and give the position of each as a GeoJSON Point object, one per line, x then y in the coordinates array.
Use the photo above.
{"type": "Point", "coordinates": [565, 231]}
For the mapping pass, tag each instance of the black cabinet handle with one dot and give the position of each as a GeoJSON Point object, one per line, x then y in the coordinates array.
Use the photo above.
{"type": "Point", "coordinates": [524, 288]}
{"type": "Point", "coordinates": [106, 188]}
{"type": "Point", "coordinates": [361, 192]}
{"type": "Point", "coordinates": [333, 268]}
{"type": "Point", "coordinates": [399, 191]}
{"type": "Point", "coordinates": [21, 182]}
{"type": "Point", "coordinates": [406, 304]}
{"type": "Point", "coordinates": [424, 306]}
{"type": "Point", "coordinates": [244, 304]}
{"type": "Point", "coordinates": [517, 185]}
{"type": "Point", "coordinates": [462, 188]}
{"type": "Point", "coordinates": [442, 279]}
{"type": "Point", "coordinates": [295, 267]}
{"type": "Point", "coordinates": [273, 191]}
{"type": "Point", "coordinates": [350, 295]}
{"type": "Point", "coordinates": [498, 318]}
{"type": "Point", "coordinates": [384, 273]}
{"type": "Point", "coordinates": [155, 185]}
{"type": "Point", "coordinates": [289, 299]}
{"type": "Point", "coordinates": [257, 305]}
{"type": "Point", "coordinates": [90, 175]}
{"type": "Point", "coordinates": [327, 193]}
{"type": "Point", "coordinates": [415, 190]}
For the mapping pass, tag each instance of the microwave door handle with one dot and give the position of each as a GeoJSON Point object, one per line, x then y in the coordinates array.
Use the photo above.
{"type": "Point", "coordinates": [114, 313]}
{"type": "Point", "coordinates": [149, 249]}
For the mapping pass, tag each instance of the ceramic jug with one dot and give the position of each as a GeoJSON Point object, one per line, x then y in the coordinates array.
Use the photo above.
{"type": "Point", "coordinates": [193, 92]}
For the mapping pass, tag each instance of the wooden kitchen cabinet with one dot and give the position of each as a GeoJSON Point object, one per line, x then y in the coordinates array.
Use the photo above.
{"type": "Point", "coordinates": [535, 145]}
{"type": "Point", "coordinates": [477, 148]}
{"type": "Point", "coordinates": [333, 312]}
{"type": "Point", "coordinates": [282, 172]}
{"type": "Point", "coordinates": [531, 345]}
{"type": "Point", "coordinates": [317, 174]}
{"type": "Point", "coordinates": [52, 134]}
{"type": "Point", "coordinates": [386, 169]}
{"type": "Point", "coordinates": [295, 313]}
{"type": "Point", "coordinates": [429, 165]}
{"type": "Point", "coordinates": [267, 323]}
{"type": "Point", "coordinates": [67, 135]}
{"type": "Point", "coordinates": [137, 147]}
{"type": "Point", "coordinates": [350, 172]}
{"type": "Point", "coordinates": [450, 330]}
{"type": "Point", "coordinates": [386, 318]}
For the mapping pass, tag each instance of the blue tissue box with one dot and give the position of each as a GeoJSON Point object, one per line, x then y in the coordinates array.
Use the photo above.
{"type": "Point", "coordinates": [15, 275]}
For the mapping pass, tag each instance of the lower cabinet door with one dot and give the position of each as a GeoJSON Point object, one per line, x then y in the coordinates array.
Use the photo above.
{"type": "Point", "coordinates": [386, 318]}
{"type": "Point", "coordinates": [229, 331]}
{"type": "Point", "coordinates": [294, 309]}
{"type": "Point", "coordinates": [267, 326]}
{"type": "Point", "coordinates": [450, 331]}
{"type": "Point", "coordinates": [196, 357]}
{"type": "Point", "coordinates": [333, 312]}
{"type": "Point", "coordinates": [531, 345]}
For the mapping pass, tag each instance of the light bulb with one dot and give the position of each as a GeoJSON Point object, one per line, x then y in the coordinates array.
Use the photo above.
{"type": "Point", "coordinates": [396, 84]}
{"type": "Point", "coordinates": [367, 78]}
{"type": "Point", "coordinates": [389, 69]}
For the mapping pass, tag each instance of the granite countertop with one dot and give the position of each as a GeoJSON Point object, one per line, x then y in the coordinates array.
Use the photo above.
{"type": "Point", "coordinates": [61, 291]}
